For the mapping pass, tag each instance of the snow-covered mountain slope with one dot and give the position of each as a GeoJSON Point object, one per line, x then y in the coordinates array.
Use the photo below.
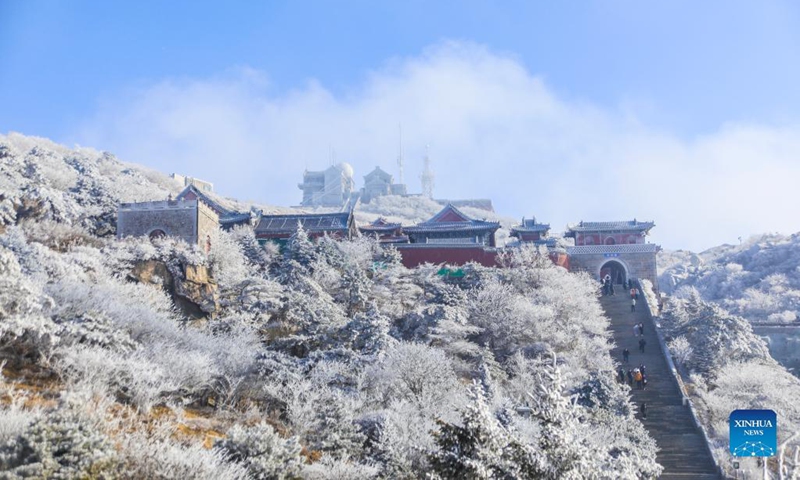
{"type": "Point", "coordinates": [155, 359]}
{"type": "Point", "coordinates": [759, 279]}
{"type": "Point", "coordinates": [40, 179]}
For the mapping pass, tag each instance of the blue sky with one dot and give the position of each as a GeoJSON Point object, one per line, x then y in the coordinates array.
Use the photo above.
{"type": "Point", "coordinates": [548, 105]}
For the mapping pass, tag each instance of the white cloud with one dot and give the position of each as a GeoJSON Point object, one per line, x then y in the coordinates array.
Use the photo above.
{"type": "Point", "coordinates": [495, 130]}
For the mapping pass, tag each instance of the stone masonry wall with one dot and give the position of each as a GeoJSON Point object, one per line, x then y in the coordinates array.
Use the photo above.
{"type": "Point", "coordinates": [207, 223]}
{"type": "Point", "coordinates": [175, 218]}
{"type": "Point", "coordinates": [638, 265]}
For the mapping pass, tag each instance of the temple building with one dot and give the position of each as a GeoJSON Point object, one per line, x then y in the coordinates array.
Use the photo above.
{"type": "Point", "coordinates": [330, 188]}
{"type": "Point", "coordinates": [384, 231]}
{"type": "Point", "coordinates": [192, 216]}
{"type": "Point", "coordinates": [378, 183]}
{"type": "Point", "coordinates": [228, 217]}
{"type": "Point", "coordinates": [278, 228]}
{"type": "Point", "coordinates": [529, 231]}
{"type": "Point", "coordinates": [450, 237]}
{"type": "Point", "coordinates": [617, 249]}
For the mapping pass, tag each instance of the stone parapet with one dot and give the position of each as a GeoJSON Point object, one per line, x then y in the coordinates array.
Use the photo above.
{"type": "Point", "coordinates": [622, 248]}
{"type": "Point", "coordinates": [159, 205]}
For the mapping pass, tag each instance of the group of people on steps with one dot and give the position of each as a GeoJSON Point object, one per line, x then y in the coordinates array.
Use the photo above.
{"type": "Point", "coordinates": [608, 289]}
{"type": "Point", "coordinates": [637, 375]}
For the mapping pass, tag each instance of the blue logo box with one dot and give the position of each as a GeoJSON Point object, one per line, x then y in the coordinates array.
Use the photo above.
{"type": "Point", "coordinates": [753, 433]}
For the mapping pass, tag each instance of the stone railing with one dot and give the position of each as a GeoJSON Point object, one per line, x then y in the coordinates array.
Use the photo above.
{"type": "Point", "coordinates": [649, 297]}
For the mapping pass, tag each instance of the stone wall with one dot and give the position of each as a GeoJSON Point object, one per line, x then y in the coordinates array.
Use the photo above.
{"type": "Point", "coordinates": [639, 261]}
{"type": "Point", "coordinates": [181, 219]}
{"type": "Point", "coordinates": [207, 223]}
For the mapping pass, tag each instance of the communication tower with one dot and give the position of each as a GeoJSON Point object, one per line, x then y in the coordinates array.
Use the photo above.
{"type": "Point", "coordinates": [427, 177]}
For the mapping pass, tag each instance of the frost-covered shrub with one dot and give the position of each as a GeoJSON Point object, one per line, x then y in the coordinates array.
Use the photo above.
{"type": "Point", "coordinates": [59, 236]}
{"type": "Point", "coordinates": [322, 416]}
{"type": "Point", "coordinates": [163, 459]}
{"type": "Point", "coordinates": [681, 350]}
{"type": "Point", "coordinates": [260, 256]}
{"type": "Point", "coordinates": [715, 336]}
{"type": "Point", "coordinates": [262, 452]}
{"type": "Point", "coordinates": [228, 262]}
{"type": "Point", "coordinates": [95, 330]}
{"type": "Point", "coordinates": [331, 468]}
{"type": "Point", "coordinates": [62, 445]}
{"type": "Point", "coordinates": [415, 373]}
{"type": "Point", "coordinates": [14, 417]}
{"type": "Point", "coordinates": [402, 439]}
{"type": "Point", "coordinates": [24, 331]}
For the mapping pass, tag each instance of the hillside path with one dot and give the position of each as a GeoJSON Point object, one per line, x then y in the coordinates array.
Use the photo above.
{"type": "Point", "coordinates": [682, 450]}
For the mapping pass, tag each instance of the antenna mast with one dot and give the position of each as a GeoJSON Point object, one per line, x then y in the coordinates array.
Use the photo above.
{"type": "Point", "coordinates": [427, 176]}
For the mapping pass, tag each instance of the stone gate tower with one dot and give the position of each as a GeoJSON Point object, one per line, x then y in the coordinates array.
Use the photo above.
{"type": "Point", "coordinates": [191, 220]}
{"type": "Point", "coordinates": [617, 249]}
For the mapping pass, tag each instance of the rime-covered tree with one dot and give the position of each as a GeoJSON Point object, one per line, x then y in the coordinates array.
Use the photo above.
{"type": "Point", "coordinates": [262, 451]}
{"type": "Point", "coordinates": [480, 447]}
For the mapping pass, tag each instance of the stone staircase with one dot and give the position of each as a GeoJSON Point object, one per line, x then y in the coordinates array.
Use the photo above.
{"type": "Point", "coordinates": [682, 450]}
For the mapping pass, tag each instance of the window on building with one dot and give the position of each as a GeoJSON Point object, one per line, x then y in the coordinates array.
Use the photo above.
{"type": "Point", "coordinates": [610, 241]}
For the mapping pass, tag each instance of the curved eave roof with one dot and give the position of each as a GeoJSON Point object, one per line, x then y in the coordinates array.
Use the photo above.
{"type": "Point", "coordinates": [544, 227]}
{"type": "Point", "coordinates": [452, 226]}
{"type": "Point", "coordinates": [610, 226]}
{"type": "Point", "coordinates": [234, 218]}
{"type": "Point", "coordinates": [310, 222]}
{"type": "Point", "coordinates": [379, 228]}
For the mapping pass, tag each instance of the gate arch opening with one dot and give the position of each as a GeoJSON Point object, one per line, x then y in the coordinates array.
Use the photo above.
{"type": "Point", "coordinates": [157, 233]}
{"type": "Point", "coordinates": [614, 269]}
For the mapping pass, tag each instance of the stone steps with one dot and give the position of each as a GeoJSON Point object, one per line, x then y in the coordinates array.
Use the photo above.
{"type": "Point", "coordinates": [682, 449]}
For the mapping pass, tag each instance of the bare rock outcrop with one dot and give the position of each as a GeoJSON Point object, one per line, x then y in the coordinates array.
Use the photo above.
{"type": "Point", "coordinates": [193, 290]}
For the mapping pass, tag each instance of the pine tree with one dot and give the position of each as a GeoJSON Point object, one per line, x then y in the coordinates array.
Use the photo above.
{"type": "Point", "coordinates": [300, 249]}
{"type": "Point", "coordinates": [481, 448]}
{"type": "Point", "coordinates": [355, 289]}
{"type": "Point", "coordinates": [370, 331]}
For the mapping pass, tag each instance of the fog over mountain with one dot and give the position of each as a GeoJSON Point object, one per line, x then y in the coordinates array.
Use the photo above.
{"type": "Point", "coordinates": [495, 128]}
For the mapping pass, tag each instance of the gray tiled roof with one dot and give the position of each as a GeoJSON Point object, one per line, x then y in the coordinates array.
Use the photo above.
{"type": "Point", "coordinates": [380, 224]}
{"type": "Point", "coordinates": [606, 226]}
{"type": "Point", "coordinates": [468, 224]}
{"type": "Point", "coordinates": [452, 226]}
{"type": "Point", "coordinates": [236, 218]}
{"type": "Point", "coordinates": [311, 222]}
{"type": "Point", "coordinates": [539, 227]}
{"type": "Point", "coordinates": [225, 213]}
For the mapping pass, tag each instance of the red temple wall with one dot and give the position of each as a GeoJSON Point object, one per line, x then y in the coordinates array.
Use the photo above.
{"type": "Point", "coordinates": [413, 257]}
{"type": "Point", "coordinates": [602, 238]}
{"type": "Point", "coordinates": [529, 236]}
